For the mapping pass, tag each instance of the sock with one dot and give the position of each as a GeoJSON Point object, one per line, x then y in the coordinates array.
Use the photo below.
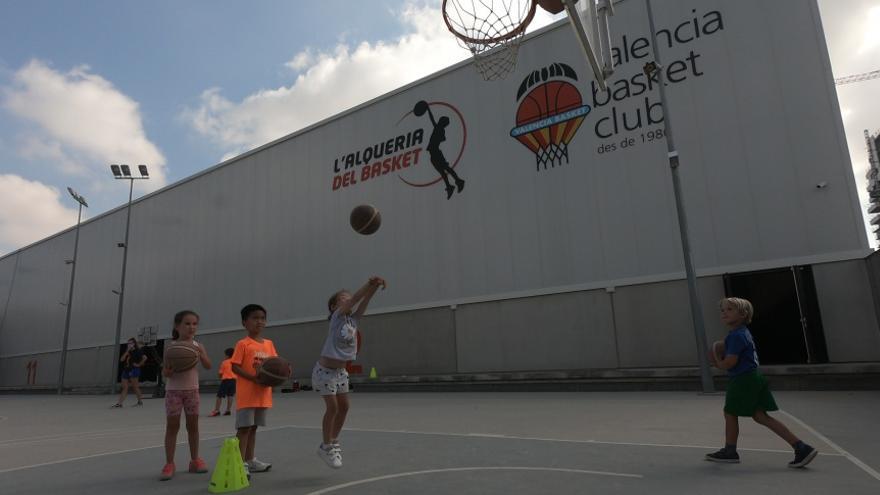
{"type": "Point", "coordinates": [730, 447]}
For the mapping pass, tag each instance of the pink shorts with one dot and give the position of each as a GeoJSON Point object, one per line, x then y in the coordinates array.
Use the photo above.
{"type": "Point", "coordinates": [177, 400]}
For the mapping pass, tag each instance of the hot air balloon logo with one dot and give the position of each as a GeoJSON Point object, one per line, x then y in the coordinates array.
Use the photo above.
{"type": "Point", "coordinates": [550, 112]}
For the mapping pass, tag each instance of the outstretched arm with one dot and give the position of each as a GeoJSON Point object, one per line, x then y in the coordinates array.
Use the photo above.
{"type": "Point", "coordinates": [431, 116]}
{"type": "Point", "coordinates": [373, 285]}
{"type": "Point", "coordinates": [345, 307]}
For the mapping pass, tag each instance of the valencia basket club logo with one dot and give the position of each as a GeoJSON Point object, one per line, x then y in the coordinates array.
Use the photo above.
{"type": "Point", "coordinates": [432, 133]}
{"type": "Point", "coordinates": [549, 114]}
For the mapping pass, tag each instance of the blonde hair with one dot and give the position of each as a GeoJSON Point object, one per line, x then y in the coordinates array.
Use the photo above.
{"type": "Point", "coordinates": [742, 306]}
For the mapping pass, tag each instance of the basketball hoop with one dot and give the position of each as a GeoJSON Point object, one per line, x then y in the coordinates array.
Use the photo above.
{"type": "Point", "coordinates": [491, 30]}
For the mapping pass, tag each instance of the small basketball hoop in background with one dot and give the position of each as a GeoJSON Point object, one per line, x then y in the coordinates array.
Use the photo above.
{"type": "Point", "coordinates": [148, 336]}
{"type": "Point", "coordinates": [491, 30]}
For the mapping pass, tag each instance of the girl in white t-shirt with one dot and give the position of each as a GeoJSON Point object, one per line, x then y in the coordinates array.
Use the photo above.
{"type": "Point", "coordinates": [182, 394]}
{"type": "Point", "coordinates": [329, 377]}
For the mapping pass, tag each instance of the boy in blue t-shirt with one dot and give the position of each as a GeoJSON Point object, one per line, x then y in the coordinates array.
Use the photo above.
{"type": "Point", "coordinates": [748, 393]}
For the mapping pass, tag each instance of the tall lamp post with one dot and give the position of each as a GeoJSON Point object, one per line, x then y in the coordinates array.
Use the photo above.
{"type": "Point", "coordinates": [123, 172]}
{"type": "Point", "coordinates": [82, 202]}
{"type": "Point", "coordinates": [656, 69]}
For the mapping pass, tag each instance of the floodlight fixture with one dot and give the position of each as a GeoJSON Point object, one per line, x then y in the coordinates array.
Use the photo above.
{"type": "Point", "coordinates": [123, 171]}
{"type": "Point", "coordinates": [79, 199]}
{"type": "Point", "coordinates": [69, 304]}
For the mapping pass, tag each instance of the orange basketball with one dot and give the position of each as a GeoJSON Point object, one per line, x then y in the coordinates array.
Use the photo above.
{"type": "Point", "coordinates": [274, 371]}
{"type": "Point", "coordinates": [181, 356]}
{"type": "Point", "coordinates": [552, 6]}
{"type": "Point", "coordinates": [548, 99]}
{"type": "Point", "coordinates": [365, 219]}
{"type": "Point", "coordinates": [718, 350]}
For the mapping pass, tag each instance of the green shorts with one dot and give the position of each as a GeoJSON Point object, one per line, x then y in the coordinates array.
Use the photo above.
{"type": "Point", "coordinates": [747, 394]}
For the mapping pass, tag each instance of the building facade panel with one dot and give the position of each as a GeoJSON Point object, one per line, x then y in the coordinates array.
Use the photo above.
{"type": "Point", "coordinates": [566, 188]}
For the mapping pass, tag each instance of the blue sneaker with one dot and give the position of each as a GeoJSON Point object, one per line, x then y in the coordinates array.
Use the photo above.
{"type": "Point", "coordinates": [803, 456]}
{"type": "Point", "coordinates": [724, 455]}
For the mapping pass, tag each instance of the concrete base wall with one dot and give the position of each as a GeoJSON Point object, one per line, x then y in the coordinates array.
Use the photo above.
{"type": "Point", "coordinates": [637, 326]}
{"type": "Point", "coordinates": [89, 367]}
{"type": "Point", "coordinates": [847, 303]}
{"type": "Point", "coordinates": [14, 373]}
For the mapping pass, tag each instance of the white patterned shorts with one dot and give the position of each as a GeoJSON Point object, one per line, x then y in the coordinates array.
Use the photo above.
{"type": "Point", "coordinates": [329, 381]}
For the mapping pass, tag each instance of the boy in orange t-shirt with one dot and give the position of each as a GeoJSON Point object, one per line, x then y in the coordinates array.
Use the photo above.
{"type": "Point", "coordinates": [227, 385]}
{"type": "Point", "coordinates": [254, 399]}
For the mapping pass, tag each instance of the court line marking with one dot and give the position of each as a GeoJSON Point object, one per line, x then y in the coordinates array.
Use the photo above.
{"type": "Point", "coordinates": [561, 440]}
{"type": "Point", "coordinates": [841, 452]}
{"type": "Point", "coordinates": [78, 435]}
{"type": "Point", "coordinates": [83, 435]}
{"type": "Point", "coordinates": [115, 452]}
{"type": "Point", "coordinates": [855, 460]}
{"type": "Point", "coordinates": [453, 470]}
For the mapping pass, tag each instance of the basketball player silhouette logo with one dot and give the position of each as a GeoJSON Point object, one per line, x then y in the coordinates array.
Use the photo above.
{"type": "Point", "coordinates": [438, 160]}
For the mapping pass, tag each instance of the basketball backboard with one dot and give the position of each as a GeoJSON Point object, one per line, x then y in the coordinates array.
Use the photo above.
{"type": "Point", "coordinates": [148, 336]}
{"type": "Point", "coordinates": [589, 21]}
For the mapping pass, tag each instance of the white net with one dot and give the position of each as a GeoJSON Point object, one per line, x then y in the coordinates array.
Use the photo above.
{"type": "Point", "coordinates": [491, 30]}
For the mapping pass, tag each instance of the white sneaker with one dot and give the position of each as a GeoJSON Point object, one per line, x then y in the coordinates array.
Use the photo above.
{"type": "Point", "coordinates": [247, 471]}
{"type": "Point", "coordinates": [257, 466]}
{"type": "Point", "coordinates": [330, 455]}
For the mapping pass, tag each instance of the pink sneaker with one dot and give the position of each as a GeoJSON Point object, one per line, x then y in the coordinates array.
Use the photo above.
{"type": "Point", "coordinates": [198, 466]}
{"type": "Point", "coordinates": [167, 472]}
{"type": "Point", "coordinates": [214, 413]}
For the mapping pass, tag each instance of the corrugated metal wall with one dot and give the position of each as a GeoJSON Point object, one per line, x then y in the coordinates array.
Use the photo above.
{"type": "Point", "coordinates": [757, 124]}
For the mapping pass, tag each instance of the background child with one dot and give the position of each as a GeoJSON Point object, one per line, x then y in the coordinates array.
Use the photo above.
{"type": "Point", "coordinates": [131, 360]}
{"type": "Point", "coordinates": [227, 384]}
{"type": "Point", "coordinates": [182, 394]}
{"type": "Point", "coordinates": [254, 399]}
{"type": "Point", "coordinates": [748, 393]}
{"type": "Point", "coordinates": [329, 377]}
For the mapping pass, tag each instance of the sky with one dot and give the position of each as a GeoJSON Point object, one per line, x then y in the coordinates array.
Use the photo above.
{"type": "Point", "coordinates": [183, 85]}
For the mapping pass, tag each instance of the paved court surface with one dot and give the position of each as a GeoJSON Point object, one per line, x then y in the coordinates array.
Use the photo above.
{"type": "Point", "coordinates": [444, 443]}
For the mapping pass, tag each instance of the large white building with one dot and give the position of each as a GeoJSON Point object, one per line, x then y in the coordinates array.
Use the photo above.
{"type": "Point", "coordinates": [560, 252]}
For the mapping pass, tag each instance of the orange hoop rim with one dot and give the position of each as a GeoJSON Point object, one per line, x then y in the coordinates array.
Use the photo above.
{"type": "Point", "coordinates": [498, 39]}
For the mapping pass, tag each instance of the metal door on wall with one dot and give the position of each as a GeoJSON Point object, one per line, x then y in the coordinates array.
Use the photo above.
{"type": "Point", "coordinates": [151, 370]}
{"type": "Point", "coordinates": [787, 325]}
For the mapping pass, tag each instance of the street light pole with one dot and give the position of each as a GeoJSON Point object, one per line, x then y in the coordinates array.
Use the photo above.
{"type": "Point", "coordinates": [123, 172]}
{"type": "Point", "coordinates": [672, 154]}
{"type": "Point", "coordinates": [82, 202]}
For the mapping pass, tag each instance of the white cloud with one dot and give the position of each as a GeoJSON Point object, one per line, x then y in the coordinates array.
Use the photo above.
{"type": "Point", "coordinates": [41, 148]}
{"type": "Point", "coordinates": [302, 60]}
{"type": "Point", "coordinates": [80, 118]}
{"type": "Point", "coordinates": [330, 82]}
{"type": "Point", "coordinates": [871, 33]}
{"type": "Point", "coordinates": [29, 211]}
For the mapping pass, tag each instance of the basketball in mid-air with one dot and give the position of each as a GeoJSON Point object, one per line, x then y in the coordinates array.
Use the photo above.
{"type": "Point", "coordinates": [365, 219]}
